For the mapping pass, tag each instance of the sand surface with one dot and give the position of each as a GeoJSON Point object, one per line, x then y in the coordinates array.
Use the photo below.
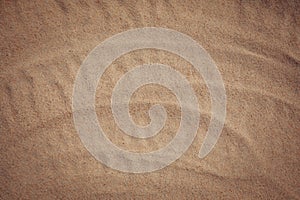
{"type": "Point", "coordinates": [255, 46]}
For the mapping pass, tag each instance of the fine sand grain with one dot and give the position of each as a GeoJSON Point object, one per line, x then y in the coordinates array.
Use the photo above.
{"type": "Point", "coordinates": [255, 46]}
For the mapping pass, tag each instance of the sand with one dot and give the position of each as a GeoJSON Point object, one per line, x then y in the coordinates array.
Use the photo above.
{"type": "Point", "coordinates": [255, 46]}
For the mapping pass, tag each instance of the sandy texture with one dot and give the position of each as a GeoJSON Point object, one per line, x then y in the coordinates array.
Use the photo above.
{"type": "Point", "coordinates": [255, 46]}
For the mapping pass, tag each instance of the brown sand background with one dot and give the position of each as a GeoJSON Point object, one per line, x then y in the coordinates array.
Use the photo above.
{"type": "Point", "coordinates": [255, 45]}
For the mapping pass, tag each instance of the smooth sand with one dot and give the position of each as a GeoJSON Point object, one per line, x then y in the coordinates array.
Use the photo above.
{"type": "Point", "coordinates": [255, 46]}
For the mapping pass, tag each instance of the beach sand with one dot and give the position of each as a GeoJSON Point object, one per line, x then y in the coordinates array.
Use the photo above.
{"type": "Point", "coordinates": [255, 46]}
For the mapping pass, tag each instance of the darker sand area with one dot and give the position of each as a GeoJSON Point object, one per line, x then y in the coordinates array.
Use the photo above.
{"type": "Point", "coordinates": [255, 46]}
